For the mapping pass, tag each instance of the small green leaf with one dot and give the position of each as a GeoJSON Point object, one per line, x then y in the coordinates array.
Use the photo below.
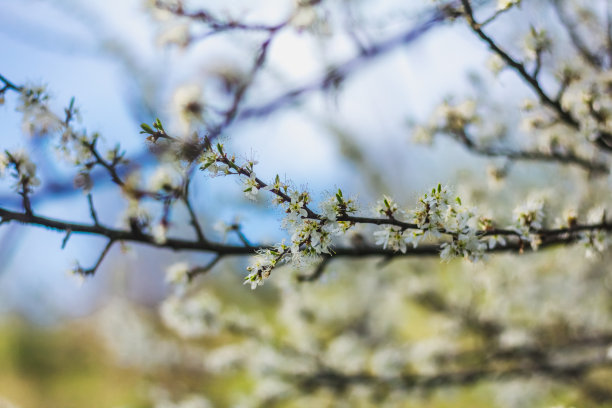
{"type": "Point", "coordinates": [146, 129]}
{"type": "Point", "coordinates": [339, 196]}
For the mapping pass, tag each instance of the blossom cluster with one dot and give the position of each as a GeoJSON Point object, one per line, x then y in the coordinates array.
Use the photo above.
{"type": "Point", "coordinates": [23, 170]}
{"type": "Point", "coordinates": [38, 119]}
{"type": "Point", "coordinates": [451, 118]}
{"type": "Point", "coordinates": [528, 218]}
{"type": "Point", "coordinates": [311, 233]}
{"type": "Point", "coordinates": [597, 241]}
{"type": "Point", "coordinates": [437, 213]}
{"type": "Point", "coordinates": [439, 217]}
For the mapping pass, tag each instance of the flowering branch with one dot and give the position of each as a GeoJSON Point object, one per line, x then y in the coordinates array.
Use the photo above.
{"type": "Point", "coordinates": [440, 220]}
{"type": "Point", "coordinates": [561, 157]}
{"type": "Point", "coordinates": [603, 139]}
{"type": "Point", "coordinates": [593, 59]}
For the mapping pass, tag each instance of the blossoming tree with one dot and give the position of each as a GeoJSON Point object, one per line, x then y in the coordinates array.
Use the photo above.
{"type": "Point", "coordinates": [483, 282]}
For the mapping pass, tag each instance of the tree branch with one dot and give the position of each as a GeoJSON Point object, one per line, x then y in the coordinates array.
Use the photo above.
{"type": "Point", "coordinates": [334, 75]}
{"type": "Point", "coordinates": [550, 238]}
{"type": "Point", "coordinates": [200, 270]}
{"type": "Point", "coordinates": [564, 158]}
{"type": "Point", "coordinates": [339, 381]}
{"type": "Point", "coordinates": [591, 58]}
{"type": "Point", "coordinates": [518, 67]}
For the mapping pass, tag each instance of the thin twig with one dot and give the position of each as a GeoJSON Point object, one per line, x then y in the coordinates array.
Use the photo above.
{"type": "Point", "coordinates": [9, 85]}
{"type": "Point", "coordinates": [564, 115]}
{"type": "Point", "coordinates": [200, 270]}
{"type": "Point", "coordinates": [346, 68]}
{"type": "Point", "coordinates": [581, 46]}
{"type": "Point", "coordinates": [238, 230]}
{"type": "Point", "coordinates": [110, 167]}
{"type": "Point", "coordinates": [92, 209]}
{"type": "Point", "coordinates": [66, 238]}
{"type": "Point", "coordinates": [317, 273]}
{"type": "Point", "coordinates": [93, 269]}
{"type": "Point", "coordinates": [192, 215]}
{"type": "Point", "coordinates": [563, 158]}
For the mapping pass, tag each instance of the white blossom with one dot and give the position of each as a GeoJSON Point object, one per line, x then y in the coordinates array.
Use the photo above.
{"type": "Point", "coordinates": [4, 163]}
{"type": "Point", "coordinates": [178, 273]}
{"type": "Point", "coordinates": [251, 187]}
{"type": "Point", "coordinates": [495, 63]}
{"type": "Point", "coordinates": [528, 216]}
{"type": "Point", "coordinates": [506, 4]}
{"type": "Point", "coordinates": [311, 234]}
{"type": "Point", "coordinates": [304, 15]}
{"type": "Point", "coordinates": [329, 209]}
{"type": "Point", "coordinates": [192, 317]}
{"type": "Point", "coordinates": [175, 33]}
{"type": "Point", "coordinates": [24, 169]}
{"type": "Point", "coordinates": [256, 276]}
{"type": "Point", "coordinates": [493, 241]}
{"type": "Point", "coordinates": [39, 121]}
{"type": "Point", "coordinates": [466, 245]}
{"type": "Point", "coordinates": [452, 118]}
{"type": "Point", "coordinates": [391, 237]}
{"type": "Point", "coordinates": [414, 237]}
{"type": "Point", "coordinates": [536, 42]}
{"type": "Point", "coordinates": [597, 241]}
{"type": "Point", "coordinates": [188, 106]}
{"type": "Point", "coordinates": [159, 232]}
{"type": "Point", "coordinates": [387, 207]}
{"type": "Point", "coordinates": [164, 178]}
{"type": "Point", "coordinates": [295, 209]}
{"type": "Point", "coordinates": [209, 160]}
{"type": "Point", "coordinates": [336, 206]}
{"type": "Point", "coordinates": [223, 228]}
{"type": "Point", "coordinates": [422, 135]}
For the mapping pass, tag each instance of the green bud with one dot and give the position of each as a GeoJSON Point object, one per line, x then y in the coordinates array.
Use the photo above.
{"type": "Point", "coordinates": [146, 129]}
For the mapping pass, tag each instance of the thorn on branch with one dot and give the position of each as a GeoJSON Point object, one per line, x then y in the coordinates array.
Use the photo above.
{"type": "Point", "coordinates": [66, 238]}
